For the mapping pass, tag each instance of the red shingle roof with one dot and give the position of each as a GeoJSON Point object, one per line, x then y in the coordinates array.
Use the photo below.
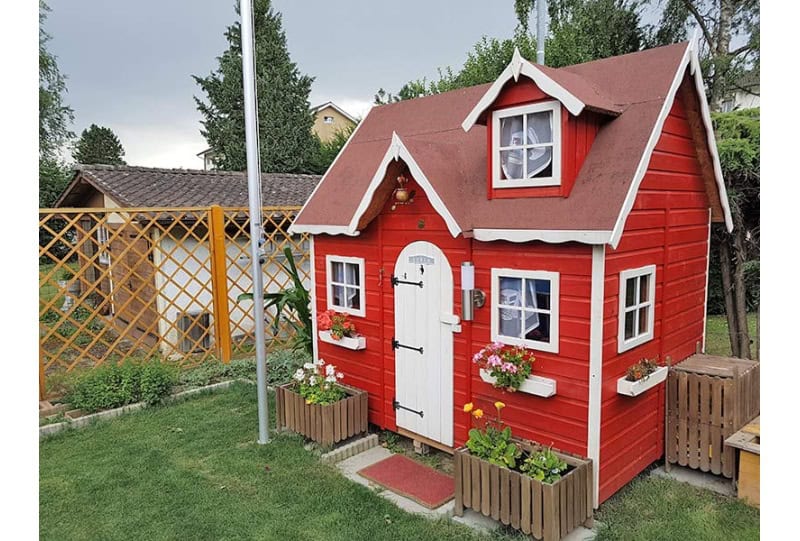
{"type": "Point", "coordinates": [634, 86]}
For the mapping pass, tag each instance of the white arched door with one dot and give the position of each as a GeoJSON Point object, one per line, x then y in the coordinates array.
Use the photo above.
{"type": "Point", "coordinates": [423, 342]}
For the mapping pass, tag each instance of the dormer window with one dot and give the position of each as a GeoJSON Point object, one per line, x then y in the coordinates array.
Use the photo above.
{"type": "Point", "coordinates": [527, 146]}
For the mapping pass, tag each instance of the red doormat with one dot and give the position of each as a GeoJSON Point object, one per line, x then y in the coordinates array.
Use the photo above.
{"type": "Point", "coordinates": [411, 479]}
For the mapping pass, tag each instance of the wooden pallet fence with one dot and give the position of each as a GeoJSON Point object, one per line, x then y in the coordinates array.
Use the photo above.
{"type": "Point", "coordinates": [708, 399]}
{"type": "Point", "coordinates": [324, 424]}
{"type": "Point", "coordinates": [545, 511]}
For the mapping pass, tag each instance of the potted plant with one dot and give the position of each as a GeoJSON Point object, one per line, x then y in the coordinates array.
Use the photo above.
{"type": "Point", "coordinates": [640, 377]}
{"type": "Point", "coordinates": [316, 405]}
{"type": "Point", "coordinates": [336, 328]}
{"type": "Point", "coordinates": [538, 490]}
{"type": "Point", "coordinates": [510, 369]}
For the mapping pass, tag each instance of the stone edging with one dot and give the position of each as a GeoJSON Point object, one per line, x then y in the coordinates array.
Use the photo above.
{"type": "Point", "coordinates": [81, 422]}
{"type": "Point", "coordinates": [353, 448]}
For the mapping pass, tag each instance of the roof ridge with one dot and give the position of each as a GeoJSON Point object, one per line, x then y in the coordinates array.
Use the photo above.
{"type": "Point", "coordinates": [144, 169]}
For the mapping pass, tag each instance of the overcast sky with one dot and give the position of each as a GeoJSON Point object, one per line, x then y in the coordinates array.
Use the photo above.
{"type": "Point", "coordinates": [129, 64]}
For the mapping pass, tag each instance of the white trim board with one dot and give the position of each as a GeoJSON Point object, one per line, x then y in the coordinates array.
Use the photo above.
{"type": "Point", "coordinates": [519, 66]}
{"type": "Point", "coordinates": [596, 364]}
{"type": "Point", "coordinates": [553, 236]}
{"type": "Point", "coordinates": [313, 300]}
{"type": "Point", "coordinates": [691, 60]}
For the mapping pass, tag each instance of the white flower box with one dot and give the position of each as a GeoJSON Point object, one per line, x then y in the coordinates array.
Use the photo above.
{"type": "Point", "coordinates": [635, 388]}
{"type": "Point", "coordinates": [535, 385]}
{"type": "Point", "coordinates": [356, 342]}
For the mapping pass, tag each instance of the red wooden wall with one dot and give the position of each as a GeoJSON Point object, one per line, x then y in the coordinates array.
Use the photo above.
{"type": "Point", "coordinates": [668, 227]}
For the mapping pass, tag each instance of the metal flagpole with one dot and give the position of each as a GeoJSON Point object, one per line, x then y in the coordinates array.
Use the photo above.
{"type": "Point", "coordinates": [254, 198]}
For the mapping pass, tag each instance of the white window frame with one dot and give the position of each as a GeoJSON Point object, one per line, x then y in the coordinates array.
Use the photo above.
{"type": "Point", "coordinates": [553, 180]}
{"type": "Point", "coordinates": [327, 119]}
{"type": "Point", "coordinates": [624, 276]}
{"type": "Point", "coordinates": [553, 277]}
{"type": "Point", "coordinates": [329, 283]}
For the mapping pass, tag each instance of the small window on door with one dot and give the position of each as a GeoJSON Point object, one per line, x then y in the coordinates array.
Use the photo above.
{"type": "Point", "coordinates": [637, 292]}
{"type": "Point", "coordinates": [525, 308]}
{"type": "Point", "coordinates": [345, 281]}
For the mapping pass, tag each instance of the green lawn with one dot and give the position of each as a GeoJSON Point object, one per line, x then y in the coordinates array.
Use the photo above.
{"type": "Point", "coordinates": [656, 509]}
{"type": "Point", "coordinates": [717, 340]}
{"type": "Point", "coordinates": [194, 471]}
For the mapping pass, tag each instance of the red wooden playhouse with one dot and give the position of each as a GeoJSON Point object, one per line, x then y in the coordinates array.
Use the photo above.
{"type": "Point", "coordinates": [583, 198]}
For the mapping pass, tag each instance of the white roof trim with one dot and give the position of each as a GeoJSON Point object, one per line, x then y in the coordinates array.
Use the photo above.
{"type": "Point", "coordinates": [545, 235]}
{"type": "Point", "coordinates": [341, 111]}
{"type": "Point", "coordinates": [690, 59]}
{"type": "Point", "coordinates": [327, 229]}
{"type": "Point", "coordinates": [519, 66]}
{"type": "Point", "coordinates": [397, 150]}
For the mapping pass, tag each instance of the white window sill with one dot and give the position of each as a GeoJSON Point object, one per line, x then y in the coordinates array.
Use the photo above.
{"type": "Point", "coordinates": [355, 343]}
{"type": "Point", "coordinates": [635, 388]}
{"type": "Point", "coordinates": [535, 385]}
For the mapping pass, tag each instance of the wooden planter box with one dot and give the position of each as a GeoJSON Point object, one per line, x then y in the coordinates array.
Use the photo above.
{"type": "Point", "coordinates": [708, 399]}
{"type": "Point", "coordinates": [635, 388]}
{"type": "Point", "coordinates": [324, 424]}
{"type": "Point", "coordinates": [545, 511]}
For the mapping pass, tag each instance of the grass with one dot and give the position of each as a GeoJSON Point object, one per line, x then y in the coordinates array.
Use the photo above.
{"type": "Point", "coordinates": [193, 470]}
{"type": "Point", "coordinates": [656, 509]}
{"type": "Point", "coordinates": [717, 340]}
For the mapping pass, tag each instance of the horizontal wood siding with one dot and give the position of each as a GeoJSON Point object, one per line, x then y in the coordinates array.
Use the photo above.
{"type": "Point", "coordinates": [559, 420]}
{"type": "Point", "coordinates": [380, 243]}
{"type": "Point", "coordinates": [577, 136]}
{"type": "Point", "coordinates": [668, 227]}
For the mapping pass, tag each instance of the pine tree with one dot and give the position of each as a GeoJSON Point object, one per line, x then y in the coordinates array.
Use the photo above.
{"type": "Point", "coordinates": [287, 143]}
{"type": "Point", "coordinates": [98, 145]}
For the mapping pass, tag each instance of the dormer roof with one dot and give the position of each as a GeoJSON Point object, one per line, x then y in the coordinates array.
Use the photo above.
{"type": "Point", "coordinates": [636, 91]}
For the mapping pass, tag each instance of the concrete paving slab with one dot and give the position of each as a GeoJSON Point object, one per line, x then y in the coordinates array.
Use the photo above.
{"type": "Point", "coordinates": [479, 522]}
{"type": "Point", "coordinates": [350, 466]}
{"type": "Point", "coordinates": [696, 478]}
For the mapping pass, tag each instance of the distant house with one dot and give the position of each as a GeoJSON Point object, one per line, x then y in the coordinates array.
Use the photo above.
{"type": "Point", "coordinates": [154, 278]}
{"type": "Point", "coordinates": [208, 159]}
{"type": "Point", "coordinates": [746, 93]}
{"type": "Point", "coordinates": [329, 118]}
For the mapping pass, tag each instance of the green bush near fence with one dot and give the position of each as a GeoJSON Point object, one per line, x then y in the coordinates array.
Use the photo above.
{"type": "Point", "coordinates": [281, 364]}
{"type": "Point", "coordinates": [113, 385]}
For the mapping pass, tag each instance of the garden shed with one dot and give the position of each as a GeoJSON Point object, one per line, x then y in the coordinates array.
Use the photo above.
{"type": "Point", "coordinates": [578, 200]}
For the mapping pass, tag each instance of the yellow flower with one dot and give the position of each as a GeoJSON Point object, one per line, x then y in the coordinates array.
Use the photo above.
{"type": "Point", "coordinates": [468, 407]}
{"type": "Point", "coordinates": [499, 405]}
{"type": "Point", "coordinates": [478, 413]}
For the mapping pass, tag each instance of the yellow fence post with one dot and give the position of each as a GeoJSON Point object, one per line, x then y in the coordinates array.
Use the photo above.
{"type": "Point", "coordinates": [219, 283]}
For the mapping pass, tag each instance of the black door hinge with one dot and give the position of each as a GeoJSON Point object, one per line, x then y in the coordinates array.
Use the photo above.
{"type": "Point", "coordinates": [397, 406]}
{"type": "Point", "coordinates": [396, 344]}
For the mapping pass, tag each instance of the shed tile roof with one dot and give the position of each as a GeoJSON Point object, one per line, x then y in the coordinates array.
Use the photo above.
{"type": "Point", "coordinates": [454, 161]}
{"type": "Point", "coordinates": [152, 187]}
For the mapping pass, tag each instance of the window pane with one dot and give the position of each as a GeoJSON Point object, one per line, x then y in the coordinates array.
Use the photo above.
{"type": "Point", "coordinates": [353, 298]}
{"type": "Point", "coordinates": [352, 276]}
{"type": "Point", "coordinates": [644, 319]}
{"type": "Point", "coordinates": [510, 322]}
{"type": "Point", "coordinates": [511, 131]}
{"type": "Point", "coordinates": [540, 162]}
{"type": "Point", "coordinates": [510, 291]}
{"type": "Point", "coordinates": [630, 292]}
{"type": "Point", "coordinates": [630, 324]}
{"type": "Point", "coordinates": [540, 332]}
{"type": "Point", "coordinates": [337, 271]}
{"type": "Point", "coordinates": [511, 164]}
{"type": "Point", "coordinates": [338, 296]}
{"type": "Point", "coordinates": [540, 129]}
{"type": "Point", "coordinates": [644, 288]}
{"type": "Point", "coordinates": [537, 294]}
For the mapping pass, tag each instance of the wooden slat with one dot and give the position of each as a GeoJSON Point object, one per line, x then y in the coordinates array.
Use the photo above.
{"type": "Point", "coordinates": [716, 426]}
{"type": "Point", "coordinates": [525, 504]}
{"type": "Point", "coordinates": [505, 496]}
{"type": "Point", "coordinates": [705, 421]}
{"type": "Point", "coordinates": [693, 414]}
{"type": "Point", "coordinates": [537, 509]}
{"type": "Point", "coordinates": [458, 505]}
{"type": "Point", "coordinates": [671, 438]}
{"type": "Point", "coordinates": [563, 515]}
{"type": "Point", "coordinates": [477, 493]}
{"type": "Point", "coordinates": [729, 423]}
{"type": "Point", "coordinates": [515, 500]}
{"type": "Point", "coordinates": [351, 412]}
{"type": "Point", "coordinates": [466, 474]}
{"type": "Point", "coordinates": [485, 484]}
{"type": "Point", "coordinates": [494, 492]}
{"type": "Point", "coordinates": [683, 428]}
{"type": "Point", "coordinates": [343, 419]}
{"type": "Point", "coordinates": [550, 510]}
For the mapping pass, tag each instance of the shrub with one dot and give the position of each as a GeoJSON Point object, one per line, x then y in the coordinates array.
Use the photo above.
{"type": "Point", "coordinates": [113, 385]}
{"type": "Point", "coordinates": [282, 365]}
{"type": "Point", "coordinates": [203, 374]}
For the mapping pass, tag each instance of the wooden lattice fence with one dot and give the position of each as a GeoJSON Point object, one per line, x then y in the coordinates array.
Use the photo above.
{"type": "Point", "coordinates": [140, 282]}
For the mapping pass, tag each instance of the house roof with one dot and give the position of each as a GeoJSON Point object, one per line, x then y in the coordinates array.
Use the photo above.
{"type": "Point", "coordinates": [336, 107]}
{"type": "Point", "coordinates": [131, 186]}
{"type": "Point", "coordinates": [444, 136]}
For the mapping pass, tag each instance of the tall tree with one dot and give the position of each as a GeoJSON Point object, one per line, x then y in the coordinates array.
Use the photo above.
{"type": "Point", "coordinates": [284, 118]}
{"type": "Point", "coordinates": [98, 144]}
{"type": "Point", "coordinates": [54, 119]}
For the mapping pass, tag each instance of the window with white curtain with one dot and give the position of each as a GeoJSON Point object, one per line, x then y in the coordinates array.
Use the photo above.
{"type": "Point", "coordinates": [637, 292]}
{"type": "Point", "coordinates": [527, 145]}
{"type": "Point", "coordinates": [345, 280]}
{"type": "Point", "coordinates": [525, 308]}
